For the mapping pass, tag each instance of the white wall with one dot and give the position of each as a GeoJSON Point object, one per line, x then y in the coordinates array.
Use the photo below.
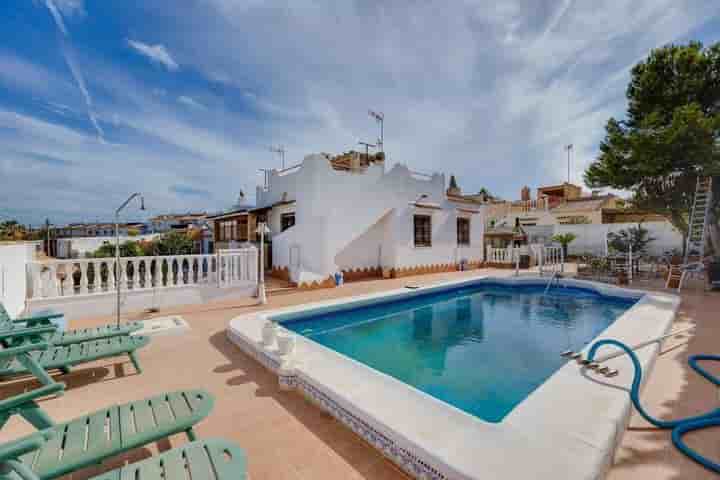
{"type": "Point", "coordinates": [444, 237]}
{"type": "Point", "coordinates": [14, 258]}
{"type": "Point", "coordinates": [591, 238]}
{"type": "Point", "coordinates": [336, 213]}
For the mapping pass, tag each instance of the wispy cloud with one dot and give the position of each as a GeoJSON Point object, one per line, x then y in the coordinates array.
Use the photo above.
{"type": "Point", "coordinates": [74, 68]}
{"type": "Point", "coordinates": [156, 53]}
{"type": "Point", "coordinates": [191, 102]}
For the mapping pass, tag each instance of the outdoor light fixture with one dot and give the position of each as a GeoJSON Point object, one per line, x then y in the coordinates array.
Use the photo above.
{"type": "Point", "coordinates": [117, 249]}
{"type": "Point", "coordinates": [262, 230]}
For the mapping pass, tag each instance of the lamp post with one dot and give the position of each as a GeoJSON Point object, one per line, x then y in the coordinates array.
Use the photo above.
{"type": "Point", "coordinates": [262, 296]}
{"type": "Point", "coordinates": [117, 250]}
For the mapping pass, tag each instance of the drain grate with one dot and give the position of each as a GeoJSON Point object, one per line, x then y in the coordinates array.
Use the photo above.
{"type": "Point", "coordinates": [171, 325]}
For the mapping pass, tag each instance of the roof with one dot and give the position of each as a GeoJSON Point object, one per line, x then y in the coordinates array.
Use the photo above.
{"type": "Point", "coordinates": [585, 204]}
{"type": "Point", "coordinates": [231, 213]}
{"type": "Point", "coordinates": [343, 161]}
{"type": "Point", "coordinates": [464, 199]}
{"type": "Point", "coordinates": [505, 231]}
{"type": "Point", "coordinates": [178, 216]}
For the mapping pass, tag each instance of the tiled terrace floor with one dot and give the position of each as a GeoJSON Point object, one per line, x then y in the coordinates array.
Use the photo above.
{"type": "Point", "coordinates": [287, 438]}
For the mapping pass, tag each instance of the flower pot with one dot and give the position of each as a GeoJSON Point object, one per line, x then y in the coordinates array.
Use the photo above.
{"type": "Point", "coordinates": [269, 332]}
{"type": "Point", "coordinates": [286, 344]}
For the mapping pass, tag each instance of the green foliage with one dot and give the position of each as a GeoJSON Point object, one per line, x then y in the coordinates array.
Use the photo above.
{"type": "Point", "coordinates": [127, 249]}
{"type": "Point", "coordinates": [638, 237]}
{"type": "Point", "coordinates": [12, 230]}
{"type": "Point", "coordinates": [564, 239]}
{"type": "Point", "coordinates": [670, 134]}
{"type": "Point", "coordinates": [171, 243]}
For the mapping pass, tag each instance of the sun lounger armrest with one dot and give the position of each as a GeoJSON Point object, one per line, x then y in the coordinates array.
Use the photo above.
{"type": "Point", "coordinates": [38, 318]}
{"type": "Point", "coordinates": [15, 351]}
{"type": "Point", "coordinates": [26, 332]}
{"type": "Point", "coordinates": [17, 448]}
{"type": "Point", "coordinates": [18, 400]}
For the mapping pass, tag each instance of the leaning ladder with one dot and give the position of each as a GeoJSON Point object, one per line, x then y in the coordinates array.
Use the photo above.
{"type": "Point", "coordinates": [698, 220]}
{"type": "Point", "coordinates": [697, 230]}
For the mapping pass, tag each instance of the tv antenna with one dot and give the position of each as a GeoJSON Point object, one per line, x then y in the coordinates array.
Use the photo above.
{"type": "Point", "coordinates": [380, 118]}
{"type": "Point", "coordinates": [280, 150]}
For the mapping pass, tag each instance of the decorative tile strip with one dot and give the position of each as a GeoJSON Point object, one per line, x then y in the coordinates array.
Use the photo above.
{"type": "Point", "coordinates": [411, 462]}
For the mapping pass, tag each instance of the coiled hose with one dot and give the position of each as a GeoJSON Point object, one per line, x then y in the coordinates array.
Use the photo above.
{"type": "Point", "coordinates": [681, 426]}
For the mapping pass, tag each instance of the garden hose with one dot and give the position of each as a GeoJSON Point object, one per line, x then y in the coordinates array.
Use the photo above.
{"type": "Point", "coordinates": [681, 426]}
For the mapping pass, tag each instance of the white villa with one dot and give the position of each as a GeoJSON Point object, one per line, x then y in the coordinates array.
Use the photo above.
{"type": "Point", "coordinates": [347, 213]}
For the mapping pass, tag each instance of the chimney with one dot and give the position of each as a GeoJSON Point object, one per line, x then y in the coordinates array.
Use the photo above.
{"type": "Point", "coordinates": [595, 193]}
{"type": "Point", "coordinates": [355, 162]}
{"type": "Point", "coordinates": [525, 193]}
{"type": "Point", "coordinates": [453, 189]}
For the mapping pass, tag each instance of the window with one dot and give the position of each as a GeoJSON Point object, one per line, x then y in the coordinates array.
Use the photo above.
{"type": "Point", "coordinates": [287, 220]}
{"type": "Point", "coordinates": [228, 230]}
{"type": "Point", "coordinates": [463, 231]}
{"type": "Point", "coordinates": [423, 230]}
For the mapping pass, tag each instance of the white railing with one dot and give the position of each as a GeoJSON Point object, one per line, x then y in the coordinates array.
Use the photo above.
{"type": "Point", "coordinates": [551, 259]}
{"type": "Point", "coordinates": [501, 255]}
{"type": "Point", "coordinates": [237, 266]}
{"type": "Point", "coordinates": [64, 278]}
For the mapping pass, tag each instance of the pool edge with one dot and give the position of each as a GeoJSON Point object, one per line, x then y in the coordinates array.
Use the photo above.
{"type": "Point", "coordinates": [591, 449]}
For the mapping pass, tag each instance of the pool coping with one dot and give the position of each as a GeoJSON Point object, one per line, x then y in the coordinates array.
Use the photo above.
{"type": "Point", "coordinates": [568, 427]}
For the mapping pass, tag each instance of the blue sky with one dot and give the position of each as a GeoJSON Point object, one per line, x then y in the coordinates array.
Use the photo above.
{"type": "Point", "coordinates": [100, 99]}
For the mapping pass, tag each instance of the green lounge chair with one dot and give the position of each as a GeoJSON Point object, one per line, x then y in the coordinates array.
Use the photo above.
{"type": "Point", "coordinates": [63, 357]}
{"type": "Point", "coordinates": [68, 337]}
{"type": "Point", "coordinates": [214, 459]}
{"type": "Point", "coordinates": [62, 448]}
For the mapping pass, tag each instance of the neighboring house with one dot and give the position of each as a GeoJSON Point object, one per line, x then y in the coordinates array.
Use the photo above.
{"type": "Point", "coordinates": [81, 247]}
{"type": "Point", "coordinates": [165, 223]}
{"type": "Point", "coordinates": [85, 230]}
{"type": "Point", "coordinates": [566, 209]}
{"type": "Point", "coordinates": [347, 213]}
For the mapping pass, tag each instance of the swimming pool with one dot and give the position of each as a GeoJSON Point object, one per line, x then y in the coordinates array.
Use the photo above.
{"type": "Point", "coordinates": [554, 415]}
{"type": "Point", "coordinates": [481, 348]}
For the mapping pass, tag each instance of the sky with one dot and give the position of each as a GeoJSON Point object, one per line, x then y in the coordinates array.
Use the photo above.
{"type": "Point", "coordinates": [181, 100]}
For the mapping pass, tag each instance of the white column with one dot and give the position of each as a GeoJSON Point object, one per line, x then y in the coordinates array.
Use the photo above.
{"type": "Point", "coordinates": [123, 274]}
{"type": "Point", "coordinates": [136, 275]}
{"type": "Point", "coordinates": [83, 277]}
{"type": "Point", "coordinates": [52, 285]}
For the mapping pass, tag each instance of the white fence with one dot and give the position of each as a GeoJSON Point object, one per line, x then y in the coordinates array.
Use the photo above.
{"type": "Point", "coordinates": [64, 278]}
{"type": "Point", "coordinates": [549, 259]}
{"type": "Point", "coordinates": [237, 265]}
{"type": "Point", "coordinates": [500, 255]}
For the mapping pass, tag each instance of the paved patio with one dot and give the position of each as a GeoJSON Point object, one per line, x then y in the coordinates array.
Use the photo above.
{"type": "Point", "coordinates": [285, 437]}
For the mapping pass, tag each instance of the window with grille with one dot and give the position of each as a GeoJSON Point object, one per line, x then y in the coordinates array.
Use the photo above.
{"type": "Point", "coordinates": [423, 230]}
{"type": "Point", "coordinates": [463, 231]}
{"type": "Point", "coordinates": [287, 220]}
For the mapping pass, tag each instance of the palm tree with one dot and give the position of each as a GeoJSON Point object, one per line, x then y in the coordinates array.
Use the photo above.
{"type": "Point", "coordinates": [564, 239]}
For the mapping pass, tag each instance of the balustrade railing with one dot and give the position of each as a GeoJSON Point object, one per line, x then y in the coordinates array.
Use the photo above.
{"type": "Point", "coordinates": [500, 255]}
{"type": "Point", "coordinates": [551, 259]}
{"type": "Point", "coordinates": [62, 278]}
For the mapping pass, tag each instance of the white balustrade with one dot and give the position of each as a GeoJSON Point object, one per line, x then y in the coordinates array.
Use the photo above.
{"type": "Point", "coordinates": [502, 255]}
{"type": "Point", "coordinates": [551, 259]}
{"type": "Point", "coordinates": [63, 278]}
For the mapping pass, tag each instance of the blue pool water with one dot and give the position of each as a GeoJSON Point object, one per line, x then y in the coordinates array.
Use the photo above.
{"type": "Point", "coordinates": [482, 348]}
